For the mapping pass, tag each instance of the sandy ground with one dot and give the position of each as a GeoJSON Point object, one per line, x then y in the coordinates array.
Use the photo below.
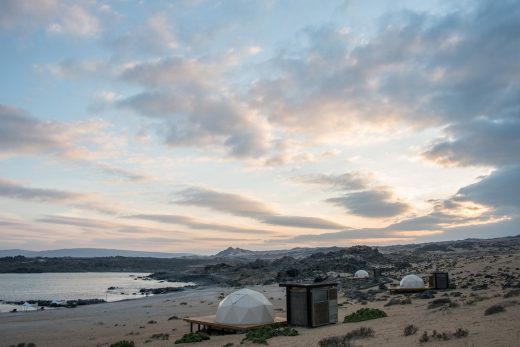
{"type": "Point", "coordinates": [138, 320]}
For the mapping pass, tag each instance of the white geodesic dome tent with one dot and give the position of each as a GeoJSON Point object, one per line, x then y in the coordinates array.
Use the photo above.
{"type": "Point", "coordinates": [361, 274]}
{"type": "Point", "coordinates": [245, 306]}
{"type": "Point", "coordinates": [411, 281]}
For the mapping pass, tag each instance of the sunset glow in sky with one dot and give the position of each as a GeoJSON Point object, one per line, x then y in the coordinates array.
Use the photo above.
{"type": "Point", "coordinates": [190, 126]}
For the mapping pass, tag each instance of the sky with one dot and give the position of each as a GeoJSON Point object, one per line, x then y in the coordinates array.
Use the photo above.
{"type": "Point", "coordinates": [191, 126]}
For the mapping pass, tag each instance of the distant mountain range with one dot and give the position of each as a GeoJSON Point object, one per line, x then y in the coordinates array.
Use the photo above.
{"type": "Point", "coordinates": [89, 253]}
{"type": "Point", "coordinates": [299, 252]}
{"type": "Point", "coordinates": [245, 254]}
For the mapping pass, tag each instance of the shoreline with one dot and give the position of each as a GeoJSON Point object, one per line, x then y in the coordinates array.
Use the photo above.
{"type": "Point", "coordinates": [41, 305]}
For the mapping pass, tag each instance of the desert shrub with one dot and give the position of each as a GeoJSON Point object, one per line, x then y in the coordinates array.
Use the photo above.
{"type": "Point", "coordinates": [192, 337]}
{"type": "Point", "coordinates": [399, 301]}
{"type": "Point", "coordinates": [442, 302]}
{"type": "Point", "coordinates": [360, 332]}
{"type": "Point", "coordinates": [261, 335]}
{"type": "Point", "coordinates": [23, 344]}
{"type": "Point", "coordinates": [160, 336]}
{"type": "Point", "coordinates": [123, 343]}
{"type": "Point", "coordinates": [335, 341]}
{"type": "Point", "coordinates": [364, 314]}
{"type": "Point", "coordinates": [346, 340]}
{"type": "Point", "coordinates": [497, 308]}
{"type": "Point", "coordinates": [446, 335]}
{"type": "Point", "coordinates": [410, 330]}
{"type": "Point", "coordinates": [424, 337]}
{"type": "Point", "coordinates": [512, 293]}
{"type": "Point", "coordinates": [229, 344]}
{"type": "Point", "coordinates": [459, 333]}
{"type": "Point", "coordinates": [174, 318]}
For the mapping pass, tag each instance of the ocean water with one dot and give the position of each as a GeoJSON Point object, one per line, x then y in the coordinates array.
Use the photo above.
{"type": "Point", "coordinates": [70, 286]}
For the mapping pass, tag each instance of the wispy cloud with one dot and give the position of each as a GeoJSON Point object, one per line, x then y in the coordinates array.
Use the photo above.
{"type": "Point", "coordinates": [244, 206]}
{"type": "Point", "coordinates": [84, 142]}
{"type": "Point", "coordinates": [194, 223]}
{"type": "Point", "coordinates": [56, 17]}
{"type": "Point", "coordinates": [88, 201]}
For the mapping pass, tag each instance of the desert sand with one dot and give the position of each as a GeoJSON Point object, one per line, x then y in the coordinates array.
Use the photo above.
{"type": "Point", "coordinates": [138, 320]}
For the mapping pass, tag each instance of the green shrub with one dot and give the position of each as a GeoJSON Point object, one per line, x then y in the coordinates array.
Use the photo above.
{"type": "Point", "coordinates": [123, 343]}
{"type": "Point", "coordinates": [192, 338]}
{"type": "Point", "coordinates": [261, 335]}
{"type": "Point", "coordinates": [364, 314]}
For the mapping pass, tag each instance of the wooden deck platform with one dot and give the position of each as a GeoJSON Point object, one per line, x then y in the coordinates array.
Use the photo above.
{"type": "Point", "coordinates": [208, 322]}
{"type": "Point", "coordinates": [398, 290]}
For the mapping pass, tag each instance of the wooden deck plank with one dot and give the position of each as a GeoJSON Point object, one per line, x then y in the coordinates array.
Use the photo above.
{"type": "Point", "coordinates": [210, 322]}
{"type": "Point", "coordinates": [408, 290]}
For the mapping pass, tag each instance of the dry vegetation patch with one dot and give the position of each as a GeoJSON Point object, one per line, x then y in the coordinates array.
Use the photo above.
{"type": "Point", "coordinates": [347, 339]}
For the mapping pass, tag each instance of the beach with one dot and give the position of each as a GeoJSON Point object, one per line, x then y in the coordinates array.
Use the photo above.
{"type": "Point", "coordinates": [138, 320]}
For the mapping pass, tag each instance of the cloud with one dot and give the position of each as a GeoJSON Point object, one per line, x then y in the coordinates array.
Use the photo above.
{"type": "Point", "coordinates": [243, 206]}
{"type": "Point", "coordinates": [183, 72]}
{"type": "Point", "coordinates": [74, 69]}
{"type": "Point", "coordinates": [301, 222]}
{"type": "Point", "coordinates": [327, 238]}
{"type": "Point", "coordinates": [478, 142]}
{"type": "Point", "coordinates": [194, 110]}
{"type": "Point", "coordinates": [417, 69]}
{"type": "Point", "coordinates": [346, 181]}
{"type": "Point", "coordinates": [75, 21]}
{"type": "Point", "coordinates": [79, 142]}
{"type": "Point", "coordinates": [57, 17]}
{"type": "Point", "coordinates": [14, 190]}
{"type": "Point", "coordinates": [197, 224]}
{"type": "Point", "coordinates": [21, 133]}
{"type": "Point", "coordinates": [154, 36]}
{"type": "Point", "coordinates": [501, 189]}
{"type": "Point", "coordinates": [80, 222]}
{"type": "Point", "coordinates": [14, 13]}
{"type": "Point", "coordinates": [361, 196]}
{"type": "Point", "coordinates": [91, 223]}
{"type": "Point", "coordinates": [371, 204]}
{"type": "Point", "coordinates": [477, 210]}
{"type": "Point", "coordinates": [235, 204]}
{"type": "Point", "coordinates": [122, 173]}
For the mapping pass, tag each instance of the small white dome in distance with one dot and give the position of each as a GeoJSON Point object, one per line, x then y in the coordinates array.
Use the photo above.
{"type": "Point", "coordinates": [361, 274]}
{"type": "Point", "coordinates": [245, 306]}
{"type": "Point", "coordinates": [411, 281]}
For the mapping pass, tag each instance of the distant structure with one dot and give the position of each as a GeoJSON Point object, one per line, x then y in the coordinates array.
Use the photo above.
{"type": "Point", "coordinates": [439, 280]}
{"type": "Point", "coordinates": [376, 272]}
{"type": "Point", "coordinates": [361, 274]}
{"type": "Point", "coordinates": [245, 306]}
{"type": "Point", "coordinates": [311, 305]}
{"type": "Point", "coordinates": [411, 282]}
